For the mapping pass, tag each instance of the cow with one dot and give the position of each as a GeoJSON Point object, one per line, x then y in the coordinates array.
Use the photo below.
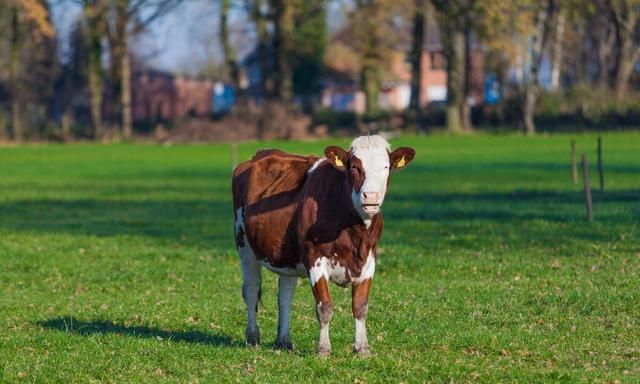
{"type": "Point", "coordinates": [319, 218]}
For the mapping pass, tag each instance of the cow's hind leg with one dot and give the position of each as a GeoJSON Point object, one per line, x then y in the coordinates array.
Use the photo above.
{"type": "Point", "coordinates": [286, 289]}
{"type": "Point", "coordinates": [251, 291]}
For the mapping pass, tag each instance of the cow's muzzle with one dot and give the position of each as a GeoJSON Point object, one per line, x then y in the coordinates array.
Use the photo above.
{"type": "Point", "coordinates": [371, 202]}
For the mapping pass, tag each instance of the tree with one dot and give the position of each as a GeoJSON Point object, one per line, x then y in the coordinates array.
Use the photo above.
{"type": "Point", "coordinates": [30, 30]}
{"type": "Point", "coordinates": [308, 44]}
{"type": "Point", "coordinates": [452, 19]}
{"type": "Point", "coordinates": [231, 67]}
{"type": "Point", "coordinates": [94, 13]}
{"type": "Point", "coordinates": [282, 18]}
{"type": "Point", "coordinates": [126, 18]}
{"type": "Point", "coordinates": [625, 15]}
{"type": "Point", "coordinates": [373, 33]}
{"type": "Point", "coordinates": [538, 42]}
{"type": "Point", "coordinates": [416, 54]}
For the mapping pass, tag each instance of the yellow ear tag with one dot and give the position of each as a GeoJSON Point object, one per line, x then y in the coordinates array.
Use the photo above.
{"type": "Point", "coordinates": [401, 163]}
{"type": "Point", "coordinates": [339, 162]}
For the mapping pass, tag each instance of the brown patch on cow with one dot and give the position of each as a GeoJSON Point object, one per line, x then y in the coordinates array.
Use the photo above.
{"type": "Point", "coordinates": [360, 299]}
{"type": "Point", "coordinates": [268, 187]}
{"type": "Point", "coordinates": [323, 299]}
{"type": "Point", "coordinates": [357, 173]}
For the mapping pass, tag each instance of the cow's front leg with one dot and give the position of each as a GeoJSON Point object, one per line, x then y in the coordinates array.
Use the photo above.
{"type": "Point", "coordinates": [359, 306]}
{"type": "Point", "coordinates": [286, 289]}
{"type": "Point", "coordinates": [324, 312]}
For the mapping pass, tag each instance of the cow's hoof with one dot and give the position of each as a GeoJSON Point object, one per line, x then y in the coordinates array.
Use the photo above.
{"type": "Point", "coordinates": [324, 351]}
{"type": "Point", "coordinates": [253, 337]}
{"type": "Point", "coordinates": [363, 352]}
{"type": "Point", "coordinates": [284, 344]}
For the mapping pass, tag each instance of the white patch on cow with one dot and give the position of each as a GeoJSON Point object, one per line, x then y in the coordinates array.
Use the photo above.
{"type": "Point", "coordinates": [316, 164]}
{"type": "Point", "coordinates": [298, 271]}
{"type": "Point", "coordinates": [319, 270]}
{"type": "Point", "coordinates": [368, 270]}
{"type": "Point", "coordinates": [333, 271]}
{"type": "Point", "coordinates": [373, 152]}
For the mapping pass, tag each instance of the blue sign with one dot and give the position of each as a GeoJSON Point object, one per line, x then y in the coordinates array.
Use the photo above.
{"type": "Point", "coordinates": [491, 89]}
{"type": "Point", "coordinates": [224, 97]}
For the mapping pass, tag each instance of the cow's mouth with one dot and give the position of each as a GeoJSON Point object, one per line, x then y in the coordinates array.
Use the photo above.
{"type": "Point", "coordinates": [371, 209]}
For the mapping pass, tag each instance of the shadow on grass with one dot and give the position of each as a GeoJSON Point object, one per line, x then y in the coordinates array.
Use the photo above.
{"type": "Point", "coordinates": [199, 222]}
{"type": "Point", "coordinates": [101, 327]}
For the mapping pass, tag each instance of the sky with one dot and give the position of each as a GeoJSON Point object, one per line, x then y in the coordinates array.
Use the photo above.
{"type": "Point", "coordinates": [184, 40]}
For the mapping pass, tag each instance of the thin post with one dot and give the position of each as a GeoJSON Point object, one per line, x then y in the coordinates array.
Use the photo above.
{"type": "Point", "coordinates": [600, 168]}
{"type": "Point", "coordinates": [574, 165]}
{"type": "Point", "coordinates": [234, 156]}
{"type": "Point", "coordinates": [587, 189]}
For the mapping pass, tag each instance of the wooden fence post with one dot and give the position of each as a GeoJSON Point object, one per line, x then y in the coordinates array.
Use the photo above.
{"type": "Point", "coordinates": [574, 165]}
{"type": "Point", "coordinates": [600, 168]}
{"type": "Point", "coordinates": [587, 189]}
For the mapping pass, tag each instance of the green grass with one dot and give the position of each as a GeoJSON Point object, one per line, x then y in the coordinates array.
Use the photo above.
{"type": "Point", "coordinates": [117, 265]}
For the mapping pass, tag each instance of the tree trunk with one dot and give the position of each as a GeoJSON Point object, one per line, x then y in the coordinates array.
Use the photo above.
{"type": "Point", "coordinates": [467, 69]}
{"type": "Point", "coordinates": [370, 80]}
{"type": "Point", "coordinates": [14, 61]}
{"type": "Point", "coordinates": [626, 61]}
{"type": "Point", "coordinates": [531, 92]}
{"type": "Point", "coordinates": [283, 27]}
{"type": "Point", "coordinates": [229, 56]}
{"type": "Point", "coordinates": [125, 88]}
{"type": "Point", "coordinates": [454, 53]}
{"type": "Point", "coordinates": [557, 51]}
{"type": "Point", "coordinates": [625, 19]}
{"type": "Point", "coordinates": [266, 83]}
{"type": "Point", "coordinates": [95, 72]}
{"type": "Point", "coordinates": [416, 57]}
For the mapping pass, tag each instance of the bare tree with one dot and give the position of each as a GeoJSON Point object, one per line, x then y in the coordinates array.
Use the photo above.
{"type": "Point", "coordinates": [93, 11]}
{"type": "Point", "coordinates": [416, 54]}
{"type": "Point", "coordinates": [229, 55]}
{"type": "Point", "coordinates": [538, 41]}
{"type": "Point", "coordinates": [625, 15]}
{"type": "Point", "coordinates": [126, 18]}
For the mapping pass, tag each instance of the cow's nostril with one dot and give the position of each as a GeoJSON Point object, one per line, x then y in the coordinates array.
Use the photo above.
{"type": "Point", "coordinates": [370, 197]}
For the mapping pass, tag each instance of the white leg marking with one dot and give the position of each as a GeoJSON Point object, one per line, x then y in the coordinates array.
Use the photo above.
{"type": "Point", "coordinates": [286, 289]}
{"type": "Point", "coordinates": [324, 344]}
{"type": "Point", "coordinates": [361, 343]}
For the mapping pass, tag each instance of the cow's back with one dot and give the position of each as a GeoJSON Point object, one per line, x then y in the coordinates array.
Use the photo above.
{"type": "Point", "coordinates": [266, 190]}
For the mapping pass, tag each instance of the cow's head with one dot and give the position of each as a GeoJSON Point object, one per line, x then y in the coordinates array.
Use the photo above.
{"type": "Point", "coordinates": [367, 165]}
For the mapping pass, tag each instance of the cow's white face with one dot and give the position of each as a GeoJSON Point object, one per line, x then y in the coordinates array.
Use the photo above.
{"type": "Point", "coordinates": [369, 171]}
{"type": "Point", "coordinates": [367, 165]}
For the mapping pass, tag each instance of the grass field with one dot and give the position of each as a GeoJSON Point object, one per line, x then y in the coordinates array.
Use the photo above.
{"type": "Point", "coordinates": [117, 265]}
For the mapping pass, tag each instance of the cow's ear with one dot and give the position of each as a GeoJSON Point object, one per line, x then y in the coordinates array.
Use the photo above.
{"type": "Point", "coordinates": [401, 157]}
{"type": "Point", "coordinates": [337, 157]}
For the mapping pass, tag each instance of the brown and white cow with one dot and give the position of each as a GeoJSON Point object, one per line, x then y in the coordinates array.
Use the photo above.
{"type": "Point", "coordinates": [301, 216]}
